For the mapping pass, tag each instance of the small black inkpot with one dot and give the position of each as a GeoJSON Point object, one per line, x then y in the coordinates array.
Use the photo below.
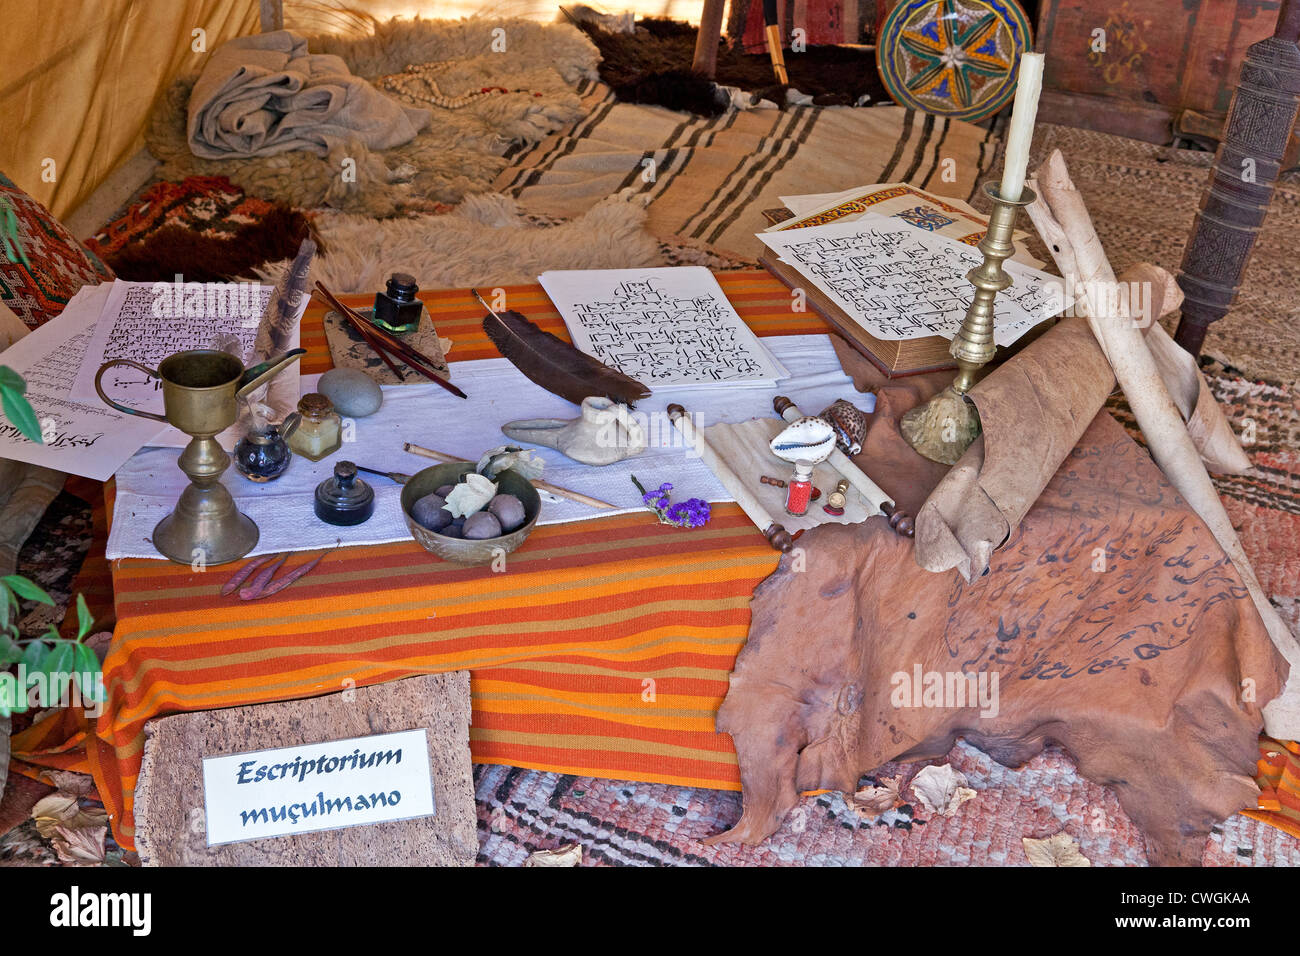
{"type": "Point", "coordinates": [397, 310]}
{"type": "Point", "coordinates": [344, 499]}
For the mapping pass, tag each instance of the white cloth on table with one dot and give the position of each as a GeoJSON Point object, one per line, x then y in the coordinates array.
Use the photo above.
{"type": "Point", "coordinates": [149, 484]}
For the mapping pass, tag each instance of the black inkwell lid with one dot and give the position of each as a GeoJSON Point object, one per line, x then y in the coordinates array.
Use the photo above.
{"type": "Point", "coordinates": [402, 287]}
{"type": "Point", "coordinates": [344, 499]}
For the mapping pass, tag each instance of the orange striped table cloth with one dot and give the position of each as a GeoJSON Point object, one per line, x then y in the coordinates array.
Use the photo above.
{"type": "Point", "coordinates": [604, 649]}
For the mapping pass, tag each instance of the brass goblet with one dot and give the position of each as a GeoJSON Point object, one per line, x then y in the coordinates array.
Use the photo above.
{"type": "Point", "coordinates": [200, 392]}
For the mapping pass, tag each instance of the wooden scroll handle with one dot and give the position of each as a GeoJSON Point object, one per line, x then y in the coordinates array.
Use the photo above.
{"type": "Point", "coordinates": [902, 522]}
{"type": "Point", "coordinates": [775, 534]}
{"type": "Point", "coordinates": [781, 404]}
{"type": "Point", "coordinates": [778, 537]}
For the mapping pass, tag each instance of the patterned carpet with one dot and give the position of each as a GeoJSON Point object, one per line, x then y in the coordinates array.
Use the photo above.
{"type": "Point", "coordinates": [204, 228]}
{"type": "Point", "coordinates": [646, 824]}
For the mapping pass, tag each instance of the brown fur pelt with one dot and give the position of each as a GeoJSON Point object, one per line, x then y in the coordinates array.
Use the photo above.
{"type": "Point", "coordinates": [653, 65]}
{"type": "Point", "coordinates": [1110, 623]}
{"type": "Point", "coordinates": [174, 250]}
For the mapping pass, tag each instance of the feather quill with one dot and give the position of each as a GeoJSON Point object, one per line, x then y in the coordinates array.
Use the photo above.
{"type": "Point", "coordinates": [275, 335]}
{"type": "Point", "coordinates": [281, 317]}
{"type": "Point", "coordinates": [556, 365]}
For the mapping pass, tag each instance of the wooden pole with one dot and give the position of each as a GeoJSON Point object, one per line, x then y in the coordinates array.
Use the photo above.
{"type": "Point", "coordinates": [772, 33]}
{"type": "Point", "coordinates": [1246, 167]}
{"type": "Point", "coordinates": [272, 15]}
{"type": "Point", "coordinates": [706, 44]}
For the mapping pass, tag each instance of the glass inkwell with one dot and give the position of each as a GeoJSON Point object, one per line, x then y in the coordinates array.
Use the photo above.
{"type": "Point", "coordinates": [315, 430]}
{"type": "Point", "coordinates": [263, 453]}
{"type": "Point", "coordinates": [397, 310]}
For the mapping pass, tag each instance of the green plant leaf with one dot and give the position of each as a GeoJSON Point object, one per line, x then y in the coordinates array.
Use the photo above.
{"type": "Point", "coordinates": [12, 380]}
{"type": "Point", "coordinates": [12, 701]}
{"type": "Point", "coordinates": [26, 589]}
{"type": "Point", "coordinates": [19, 411]}
{"type": "Point", "coordinates": [88, 670]}
{"type": "Point", "coordinates": [85, 620]}
{"type": "Point", "coordinates": [10, 652]}
{"type": "Point", "coordinates": [34, 655]}
{"type": "Point", "coordinates": [5, 602]}
{"type": "Point", "coordinates": [61, 660]}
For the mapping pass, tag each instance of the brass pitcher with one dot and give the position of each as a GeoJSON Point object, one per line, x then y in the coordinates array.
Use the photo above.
{"type": "Point", "coordinates": [201, 389]}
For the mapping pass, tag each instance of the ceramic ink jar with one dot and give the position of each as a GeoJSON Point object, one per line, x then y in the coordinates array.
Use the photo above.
{"type": "Point", "coordinates": [344, 499]}
{"type": "Point", "coordinates": [263, 454]}
{"type": "Point", "coordinates": [397, 310]}
{"type": "Point", "coordinates": [315, 429]}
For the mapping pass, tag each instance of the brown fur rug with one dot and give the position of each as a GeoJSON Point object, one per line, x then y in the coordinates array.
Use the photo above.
{"type": "Point", "coordinates": [653, 65]}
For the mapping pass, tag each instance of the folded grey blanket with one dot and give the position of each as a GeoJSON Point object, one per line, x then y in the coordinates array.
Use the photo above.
{"type": "Point", "coordinates": [266, 94]}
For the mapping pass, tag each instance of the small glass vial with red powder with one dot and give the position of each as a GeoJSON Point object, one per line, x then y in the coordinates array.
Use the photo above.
{"type": "Point", "coordinates": [799, 491]}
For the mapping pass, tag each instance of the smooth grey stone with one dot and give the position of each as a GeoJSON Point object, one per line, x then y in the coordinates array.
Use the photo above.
{"type": "Point", "coordinates": [353, 392]}
{"type": "Point", "coordinates": [452, 531]}
{"type": "Point", "coordinates": [444, 490]}
{"type": "Point", "coordinates": [429, 512]}
{"type": "Point", "coordinates": [482, 525]}
{"type": "Point", "coordinates": [509, 511]}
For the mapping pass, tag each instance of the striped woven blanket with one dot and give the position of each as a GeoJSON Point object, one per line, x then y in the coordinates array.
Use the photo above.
{"type": "Point", "coordinates": [706, 178]}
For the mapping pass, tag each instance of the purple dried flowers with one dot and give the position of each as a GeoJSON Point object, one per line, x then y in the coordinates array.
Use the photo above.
{"type": "Point", "coordinates": [691, 513]}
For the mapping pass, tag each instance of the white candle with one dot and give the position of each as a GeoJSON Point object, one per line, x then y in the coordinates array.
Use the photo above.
{"type": "Point", "coordinates": [1021, 133]}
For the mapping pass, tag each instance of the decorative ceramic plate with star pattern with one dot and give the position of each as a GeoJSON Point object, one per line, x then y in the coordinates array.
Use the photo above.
{"type": "Point", "coordinates": [957, 58]}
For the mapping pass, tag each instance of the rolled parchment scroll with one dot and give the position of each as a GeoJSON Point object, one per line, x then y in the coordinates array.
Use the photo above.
{"type": "Point", "coordinates": [775, 534]}
{"type": "Point", "coordinates": [1034, 408]}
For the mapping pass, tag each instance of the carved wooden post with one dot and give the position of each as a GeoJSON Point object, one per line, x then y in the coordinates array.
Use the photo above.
{"type": "Point", "coordinates": [1232, 210]}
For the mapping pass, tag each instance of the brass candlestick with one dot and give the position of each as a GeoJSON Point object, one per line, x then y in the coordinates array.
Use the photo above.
{"type": "Point", "coordinates": [943, 428]}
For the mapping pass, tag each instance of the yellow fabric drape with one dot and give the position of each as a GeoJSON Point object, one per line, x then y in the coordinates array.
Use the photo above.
{"type": "Point", "coordinates": [79, 78]}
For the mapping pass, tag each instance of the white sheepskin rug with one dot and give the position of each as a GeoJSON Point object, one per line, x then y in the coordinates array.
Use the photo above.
{"type": "Point", "coordinates": [485, 240]}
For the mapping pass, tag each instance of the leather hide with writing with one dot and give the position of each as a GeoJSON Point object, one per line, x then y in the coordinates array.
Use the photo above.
{"type": "Point", "coordinates": [1115, 624]}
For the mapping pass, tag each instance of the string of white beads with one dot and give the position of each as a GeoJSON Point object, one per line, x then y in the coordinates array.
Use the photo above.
{"type": "Point", "coordinates": [417, 83]}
